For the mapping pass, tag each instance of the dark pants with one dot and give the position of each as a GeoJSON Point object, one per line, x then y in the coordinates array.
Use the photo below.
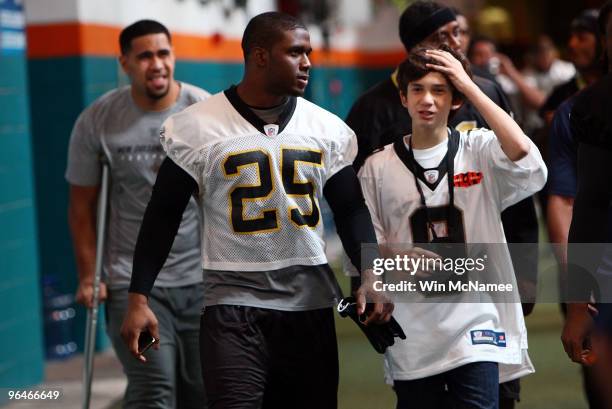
{"type": "Point", "coordinates": [171, 377]}
{"type": "Point", "coordinates": [509, 393]}
{"type": "Point", "coordinates": [471, 386]}
{"type": "Point", "coordinates": [261, 358]}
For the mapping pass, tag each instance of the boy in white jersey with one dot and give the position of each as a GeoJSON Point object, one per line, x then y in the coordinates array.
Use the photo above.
{"type": "Point", "coordinates": [259, 157]}
{"type": "Point", "coordinates": [442, 185]}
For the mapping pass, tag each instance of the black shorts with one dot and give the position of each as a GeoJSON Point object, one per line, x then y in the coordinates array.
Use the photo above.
{"type": "Point", "coordinates": [260, 358]}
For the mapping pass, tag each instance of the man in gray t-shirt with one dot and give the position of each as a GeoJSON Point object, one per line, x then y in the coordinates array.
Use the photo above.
{"type": "Point", "coordinates": [123, 126]}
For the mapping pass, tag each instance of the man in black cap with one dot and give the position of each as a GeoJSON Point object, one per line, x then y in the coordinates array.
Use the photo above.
{"type": "Point", "coordinates": [378, 119]}
{"type": "Point", "coordinates": [585, 53]}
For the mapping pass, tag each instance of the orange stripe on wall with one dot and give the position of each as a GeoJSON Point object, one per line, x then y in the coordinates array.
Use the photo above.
{"type": "Point", "coordinates": [71, 39]}
{"type": "Point", "coordinates": [74, 39]}
{"type": "Point", "coordinates": [366, 59]}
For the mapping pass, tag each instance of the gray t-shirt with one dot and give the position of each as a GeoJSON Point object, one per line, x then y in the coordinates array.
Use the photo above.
{"type": "Point", "coordinates": [129, 137]}
{"type": "Point", "coordinates": [270, 115]}
{"type": "Point", "coordinates": [295, 288]}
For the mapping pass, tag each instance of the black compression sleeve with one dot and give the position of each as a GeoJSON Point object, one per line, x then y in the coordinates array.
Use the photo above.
{"type": "Point", "coordinates": [171, 193]}
{"type": "Point", "coordinates": [352, 217]}
{"type": "Point", "coordinates": [589, 220]}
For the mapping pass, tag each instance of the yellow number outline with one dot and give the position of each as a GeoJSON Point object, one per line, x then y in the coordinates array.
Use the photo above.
{"type": "Point", "coordinates": [296, 181]}
{"type": "Point", "coordinates": [239, 169]}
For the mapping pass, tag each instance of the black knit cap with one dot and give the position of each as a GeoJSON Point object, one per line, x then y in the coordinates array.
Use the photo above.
{"type": "Point", "coordinates": [586, 21]}
{"type": "Point", "coordinates": [421, 19]}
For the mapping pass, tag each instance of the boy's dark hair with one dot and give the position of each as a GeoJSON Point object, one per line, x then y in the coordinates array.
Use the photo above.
{"type": "Point", "coordinates": [139, 29]}
{"type": "Point", "coordinates": [415, 67]}
{"type": "Point", "coordinates": [265, 29]}
{"type": "Point", "coordinates": [421, 19]}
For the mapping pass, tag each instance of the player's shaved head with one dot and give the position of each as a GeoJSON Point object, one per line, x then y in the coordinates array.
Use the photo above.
{"type": "Point", "coordinates": [265, 29]}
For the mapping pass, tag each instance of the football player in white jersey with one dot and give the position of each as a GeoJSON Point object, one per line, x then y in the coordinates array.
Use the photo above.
{"type": "Point", "coordinates": [259, 157]}
{"type": "Point", "coordinates": [439, 185]}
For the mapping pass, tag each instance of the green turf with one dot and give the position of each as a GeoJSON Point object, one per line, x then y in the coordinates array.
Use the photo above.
{"type": "Point", "coordinates": [557, 383]}
{"type": "Point", "coordinates": [361, 371]}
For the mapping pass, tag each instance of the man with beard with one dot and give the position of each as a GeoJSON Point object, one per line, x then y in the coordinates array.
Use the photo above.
{"type": "Point", "coordinates": [123, 127]}
{"type": "Point", "coordinates": [585, 52]}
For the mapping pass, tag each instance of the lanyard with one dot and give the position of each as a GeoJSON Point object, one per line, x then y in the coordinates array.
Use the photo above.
{"type": "Point", "coordinates": [450, 160]}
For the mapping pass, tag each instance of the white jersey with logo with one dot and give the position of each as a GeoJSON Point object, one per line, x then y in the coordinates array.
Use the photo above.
{"type": "Point", "coordinates": [259, 186]}
{"type": "Point", "coordinates": [447, 334]}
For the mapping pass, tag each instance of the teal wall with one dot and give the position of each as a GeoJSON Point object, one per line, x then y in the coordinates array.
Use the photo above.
{"type": "Point", "coordinates": [213, 77]}
{"type": "Point", "coordinates": [60, 89]}
{"type": "Point", "coordinates": [21, 341]}
{"type": "Point", "coordinates": [336, 89]}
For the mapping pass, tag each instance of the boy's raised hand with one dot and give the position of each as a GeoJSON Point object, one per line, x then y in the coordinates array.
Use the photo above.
{"type": "Point", "coordinates": [449, 65]}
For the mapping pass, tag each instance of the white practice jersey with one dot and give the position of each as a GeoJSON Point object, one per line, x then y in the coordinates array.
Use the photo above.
{"type": "Point", "coordinates": [448, 333]}
{"type": "Point", "coordinates": [259, 185]}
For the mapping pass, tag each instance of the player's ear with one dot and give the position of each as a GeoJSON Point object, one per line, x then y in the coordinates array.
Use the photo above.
{"type": "Point", "coordinates": [123, 63]}
{"type": "Point", "coordinates": [260, 56]}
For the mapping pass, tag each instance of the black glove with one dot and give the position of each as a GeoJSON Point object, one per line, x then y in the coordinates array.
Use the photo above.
{"type": "Point", "coordinates": [380, 336]}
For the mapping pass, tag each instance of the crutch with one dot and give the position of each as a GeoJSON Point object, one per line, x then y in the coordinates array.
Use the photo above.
{"type": "Point", "coordinates": [92, 313]}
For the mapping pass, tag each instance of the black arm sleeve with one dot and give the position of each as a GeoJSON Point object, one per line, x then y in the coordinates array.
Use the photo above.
{"type": "Point", "coordinates": [366, 128]}
{"type": "Point", "coordinates": [171, 193]}
{"type": "Point", "coordinates": [352, 217]}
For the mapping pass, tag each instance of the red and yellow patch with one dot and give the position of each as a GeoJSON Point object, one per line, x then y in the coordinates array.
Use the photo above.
{"type": "Point", "coordinates": [467, 179]}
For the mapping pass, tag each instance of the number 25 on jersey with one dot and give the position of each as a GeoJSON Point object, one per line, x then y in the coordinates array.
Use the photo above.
{"type": "Point", "coordinates": [264, 189]}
